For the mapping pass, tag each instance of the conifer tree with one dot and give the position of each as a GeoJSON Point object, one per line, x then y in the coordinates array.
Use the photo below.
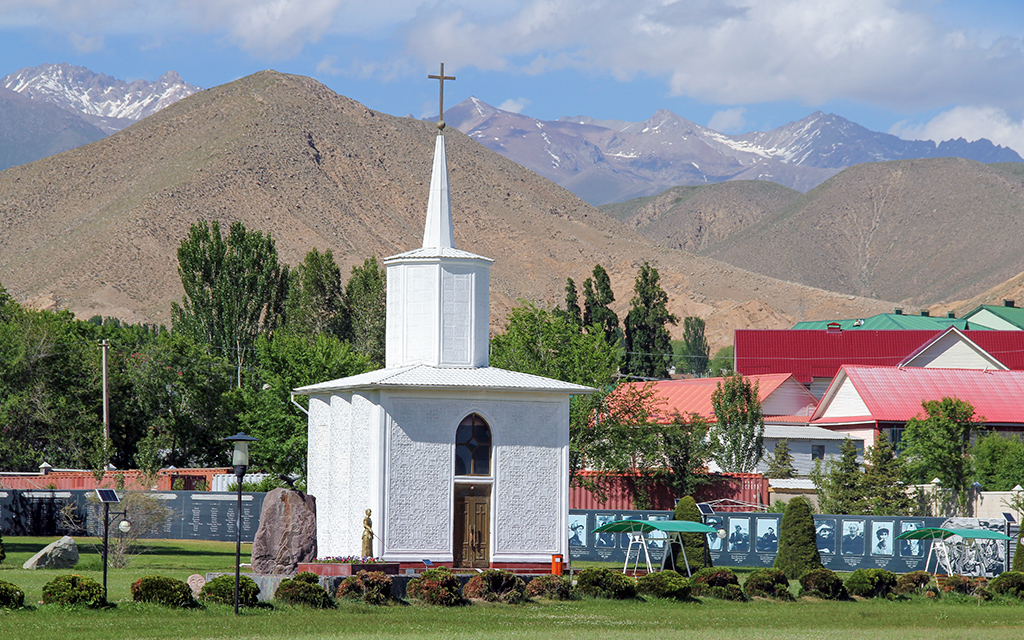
{"type": "Point", "coordinates": [798, 542]}
{"type": "Point", "coordinates": [780, 465]}
{"type": "Point", "coordinates": [597, 296]}
{"type": "Point", "coordinates": [1018, 552]}
{"type": "Point", "coordinates": [884, 484]}
{"type": "Point", "coordinates": [648, 343]}
{"type": "Point", "coordinates": [694, 543]}
{"type": "Point", "coordinates": [840, 483]}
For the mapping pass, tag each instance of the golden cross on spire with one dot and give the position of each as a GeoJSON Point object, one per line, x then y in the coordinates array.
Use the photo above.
{"type": "Point", "coordinates": [440, 105]}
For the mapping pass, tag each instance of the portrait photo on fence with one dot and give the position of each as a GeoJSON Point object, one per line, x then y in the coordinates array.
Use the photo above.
{"type": "Point", "coordinates": [739, 534]}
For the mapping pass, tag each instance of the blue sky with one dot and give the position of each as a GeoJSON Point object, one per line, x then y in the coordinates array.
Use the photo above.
{"type": "Point", "coordinates": [930, 69]}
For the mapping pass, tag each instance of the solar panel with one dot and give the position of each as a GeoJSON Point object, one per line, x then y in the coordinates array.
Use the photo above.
{"type": "Point", "coordinates": [705, 509]}
{"type": "Point", "coordinates": [107, 496]}
{"type": "Point", "coordinates": [1009, 517]}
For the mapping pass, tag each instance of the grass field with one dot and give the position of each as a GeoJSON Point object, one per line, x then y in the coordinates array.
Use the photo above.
{"type": "Point", "coordinates": [592, 619]}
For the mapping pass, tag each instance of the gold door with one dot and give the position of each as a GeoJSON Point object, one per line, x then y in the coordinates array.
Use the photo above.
{"type": "Point", "coordinates": [471, 546]}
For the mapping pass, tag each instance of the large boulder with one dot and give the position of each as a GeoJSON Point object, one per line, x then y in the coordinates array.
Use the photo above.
{"type": "Point", "coordinates": [287, 533]}
{"type": "Point", "coordinates": [60, 554]}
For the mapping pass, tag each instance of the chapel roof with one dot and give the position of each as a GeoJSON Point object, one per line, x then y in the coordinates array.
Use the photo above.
{"type": "Point", "coordinates": [421, 376]}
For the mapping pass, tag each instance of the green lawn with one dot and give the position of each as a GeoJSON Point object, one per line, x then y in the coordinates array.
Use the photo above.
{"type": "Point", "coordinates": [591, 619]}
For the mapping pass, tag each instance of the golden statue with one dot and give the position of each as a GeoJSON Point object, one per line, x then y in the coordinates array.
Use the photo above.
{"type": "Point", "coordinates": [367, 536]}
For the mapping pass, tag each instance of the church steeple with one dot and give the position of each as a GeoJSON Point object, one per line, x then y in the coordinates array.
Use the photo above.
{"type": "Point", "coordinates": [438, 305]}
{"type": "Point", "coordinates": [438, 231]}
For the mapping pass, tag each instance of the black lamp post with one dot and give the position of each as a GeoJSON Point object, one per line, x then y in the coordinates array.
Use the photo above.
{"type": "Point", "coordinates": [240, 461]}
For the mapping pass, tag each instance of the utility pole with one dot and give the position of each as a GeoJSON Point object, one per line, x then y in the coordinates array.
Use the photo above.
{"type": "Point", "coordinates": [104, 346]}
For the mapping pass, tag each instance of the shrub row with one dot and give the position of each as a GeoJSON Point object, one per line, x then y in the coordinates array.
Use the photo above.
{"type": "Point", "coordinates": [440, 587]}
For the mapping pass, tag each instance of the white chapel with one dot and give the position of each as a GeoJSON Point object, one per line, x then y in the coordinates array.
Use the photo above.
{"type": "Point", "coordinates": [460, 463]}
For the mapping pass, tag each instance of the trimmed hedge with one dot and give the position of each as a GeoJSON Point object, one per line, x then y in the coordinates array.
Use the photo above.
{"type": "Point", "coordinates": [436, 586]}
{"type": "Point", "coordinates": [370, 587]}
{"type": "Point", "coordinates": [966, 586]}
{"type": "Point", "coordinates": [305, 590]}
{"type": "Point", "coordinates": [605, 583]}
{"type": "Point", "coordinates": [768, 583]}
{"type": "Point", "coordinates": [913, 582]}
{"type": "Point", "coordinates": [496, 585]}
{"type": "Point", "coordinates": [11, 596]}
{"type": "Point", "coordinates": [664, 584]}
{"type": "Point", "coordinates": [824, 584]}
{"type": "Point", "coordinates": [798, 542]}
{"type": "Point", "coordinates": [221, 590]}
{"type": "Point", "coordinates": [1009, 583]}
{"type": "Point", "coordinates": [871, 583]}
{"type": "Point", "coordinates": [169, 592]}
{"type": "Point", "coordinates": [1018, 553]}
{"type": "Point", "coordinates": [694, 543]}
{"type": "Point", "coordinates": [550, 586]}
{"type": "Point", "coordinates": [718, 583]}
{"type": "Point", "coordinates": [73, 589]}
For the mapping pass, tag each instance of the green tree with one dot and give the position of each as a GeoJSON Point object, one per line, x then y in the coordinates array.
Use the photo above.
{"type": "Point", "coordinates": [50, 390]}
{"type": "Point", "coordinates": [235, 289]}
{"type": "Point", "coordinates": [1018, 552]}
{"type": "Point", "coordinates": [572, 312]}
{"type": "Point", "coordinates": [547, 344]}
{"type": "Point", "coordinates": [185, 392]}
{"type": "Point", "coordinates": [366, 299]}
{"type": "Point", "coordinates": [316, 297]}
{"type": "Point", "coordinates": [688, 449]}
{"type": "Point", "coordinates": [285, 361]}
{"type": "Point", "coordinates": [998, 461]}
{"type": "Point", "coordinates": [798, 542]}
{"type": "Point", "coordinates": [721, 364]}
{"type": "Point", "coordinates": [884, 484]}
{"type": "Point", "coordinates": [694, 543]}
{"type": "Point", "coordinates": [780, 465]}
{"type": "Point", "coordinates": [597, 298]}
{"type": "Point", "coordinates": [739, 424]}
{"type": "Point", "coordinates": [939, 446]}
{"type": "Point", "coordinates": [840, 483]}
{"type": "Point", "coordinates": [694, 349]}
{"type": "Point", "coordinates": [647, 340]}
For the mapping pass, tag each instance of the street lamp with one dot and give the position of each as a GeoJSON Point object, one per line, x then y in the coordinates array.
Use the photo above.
{"type": "Point", "coordinates": [240, 461]}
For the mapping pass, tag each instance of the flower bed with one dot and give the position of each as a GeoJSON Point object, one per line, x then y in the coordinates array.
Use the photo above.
{"type": "Point", "coordinates": [347, 566]}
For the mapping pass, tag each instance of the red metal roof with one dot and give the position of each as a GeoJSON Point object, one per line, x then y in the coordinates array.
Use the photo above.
{"type": "Point", "coordinates": [894, 394]}
{"type": "Point", "coordinates": [811, 354]}
{"type": "Point", "coordinates": [693, 395]}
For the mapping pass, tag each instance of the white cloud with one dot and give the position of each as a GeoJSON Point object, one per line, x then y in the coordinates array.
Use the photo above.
{"type": "Point", "coordinates": [515, 105]}
{"type": "Point", "coordinates": [891, 53]}
{"type": "Point", "coordinates": [970, 123]}
{"type": "Point", "coordinates": [84, 44]}
{"type": "Point", "coordinates": [728, 120]}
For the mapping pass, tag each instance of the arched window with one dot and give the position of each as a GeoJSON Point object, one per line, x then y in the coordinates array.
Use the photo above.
{"type": "Point", "coordinates": [473, 447]}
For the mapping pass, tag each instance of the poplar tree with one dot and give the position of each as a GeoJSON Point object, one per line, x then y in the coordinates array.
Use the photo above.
{"type": "Point", "coordinates": [695, 346]}
{"type": "Point", "coordinates": [316, 297]}
{"type": "Point", "coordinates": [647, 340]}
{"type": "Point", "coordinates": [366, 300]}
{"type": "Point", "coordinates": [597, 296]}
{"type": "Point", "coordinates": [572, 312]}
{"type": "Point", "coordinates": [235, 289]}
{"type": "Point", "coordinates": [739, 424]}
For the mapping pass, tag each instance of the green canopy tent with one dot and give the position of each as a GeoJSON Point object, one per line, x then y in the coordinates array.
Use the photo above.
{"type": "Point", "coordinates": [940, 539]}
{"type": "Point", "coordinates": [638, 530]}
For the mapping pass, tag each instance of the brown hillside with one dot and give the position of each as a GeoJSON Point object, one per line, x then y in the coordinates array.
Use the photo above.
{"type": "Point", "coordinates": [692, 218]}
{"type": "Point", "coordinates": [96, 229]}
{"type": "Point", "coordinates": [922, 231]}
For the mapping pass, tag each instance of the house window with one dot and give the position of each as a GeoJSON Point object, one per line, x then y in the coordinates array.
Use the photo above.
{"type": "Point", "coordinates": [817, 452]}
{"type": "Point", "coordinates": [473, 447]}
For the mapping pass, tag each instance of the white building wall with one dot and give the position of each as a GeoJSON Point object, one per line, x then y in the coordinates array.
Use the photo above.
{"type": "Point", "coordinates": [802, 452]}
{"type": "Point", "coordinates": [951, 352]}
{"type": "Point", "coordinates": [986, 318]}
{"type": "Point", "coordinates": [846, 402]}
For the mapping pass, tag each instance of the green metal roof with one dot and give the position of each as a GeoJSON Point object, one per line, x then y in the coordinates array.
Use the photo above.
{"type": "Point", "coordinates": [890, 322]}
{"type": "Point", "coordinates": [646, 526]}
{"type": "Point", "coordinates": [1013, 315]}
